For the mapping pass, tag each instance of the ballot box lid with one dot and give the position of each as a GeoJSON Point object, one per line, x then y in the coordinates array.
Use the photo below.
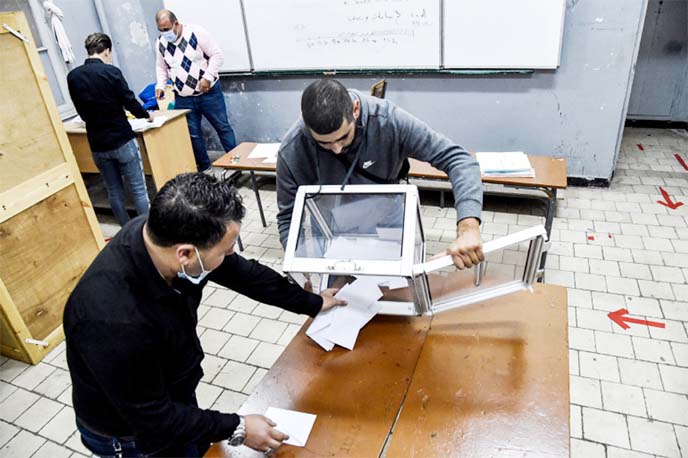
{"type": "Point", "coordinates": [356, 229]}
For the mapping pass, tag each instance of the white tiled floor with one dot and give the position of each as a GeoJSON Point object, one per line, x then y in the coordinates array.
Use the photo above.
{"type": "Point", "coordinates": [614, 248]}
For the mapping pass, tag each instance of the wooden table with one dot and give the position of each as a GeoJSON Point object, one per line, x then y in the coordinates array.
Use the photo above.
{"type": "Point", "coordinates": [487, 380]}
{"type": "Point", "coordinates": [166, 151]}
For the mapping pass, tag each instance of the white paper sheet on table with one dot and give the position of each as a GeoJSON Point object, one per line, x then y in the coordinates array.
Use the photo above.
{"type": "Point", "coordinates": [264, 150]}
{"type": "Point", "coordinates": [341, 325]}
{"type": "Point", "coordinates": [297, 425]}
{"type": "Point", "coordinates": [144, 124]}
{"type": "Point", "coordinates": [511, 164]}
{"type": "Point", "coordinates": [270, 160]}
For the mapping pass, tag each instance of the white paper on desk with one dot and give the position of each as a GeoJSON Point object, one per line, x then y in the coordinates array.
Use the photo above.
{"type": "Point", "coordinates": [348, 322]}
{"type": "Point", "coordinates": [316, 330]}
{"type": "Point", "coordinates": [297, 425]}
{"type": "Point", "coordinates": [264, 150]}
{"type": "Point", "coordinates": [270, 160]}
{"type": "Point", "coordinates": [349, 319]}
{"type": "Point", "coordinates": [143, 124]}
{"type": "Point", "coordinates": [512, 164]}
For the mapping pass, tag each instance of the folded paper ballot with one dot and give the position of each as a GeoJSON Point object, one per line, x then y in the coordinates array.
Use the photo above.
{"type": "Point", "coordinates": [297, 425]}
{"type": "Point", "coordinates": [506, 164]}
{"type": "Point", "coordinates": [341, 325]}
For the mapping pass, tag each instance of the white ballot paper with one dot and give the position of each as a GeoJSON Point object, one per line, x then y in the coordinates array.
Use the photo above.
{"type": "Point", "coordinates": [297, 425]}
{"type": "Point", "coordinates": [341, 325]}
{"type": "Point", "coordinates": [264, 151]}
{"type": "Point", "coordinates": [141, 125]}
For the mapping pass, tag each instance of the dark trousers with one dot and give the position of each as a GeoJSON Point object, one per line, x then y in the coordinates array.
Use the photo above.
{"type": "Point", "coordinates": [125, 447]}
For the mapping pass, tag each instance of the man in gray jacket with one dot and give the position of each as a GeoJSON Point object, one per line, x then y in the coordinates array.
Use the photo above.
{"type": "Point", "coordinates": [345, 137]}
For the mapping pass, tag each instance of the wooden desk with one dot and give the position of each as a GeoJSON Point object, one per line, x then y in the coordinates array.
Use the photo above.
{"type": "Point", "coordinates": [488, 380]}
{"type": "Point", "coordinates": [166, 151]}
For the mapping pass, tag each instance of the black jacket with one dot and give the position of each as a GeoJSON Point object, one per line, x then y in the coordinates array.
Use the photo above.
{"type": "Point", "coordinates": [132, 348]}
{"type": "Point", "coordinates": [100, 94]}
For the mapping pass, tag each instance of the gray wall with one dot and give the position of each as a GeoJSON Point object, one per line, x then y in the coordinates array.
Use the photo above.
{"type": "Point", "coordinates": [660, 87]}
{"type": "Point", "coordinates": [576, 111]}
{"type": "Point", "coordinates": [131, 35]}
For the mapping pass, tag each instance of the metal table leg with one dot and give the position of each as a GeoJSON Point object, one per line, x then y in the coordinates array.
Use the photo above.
{"type": "Point", "coordinates": [260, 204]}
{"type": "Point", "coordinates": [549, 220]}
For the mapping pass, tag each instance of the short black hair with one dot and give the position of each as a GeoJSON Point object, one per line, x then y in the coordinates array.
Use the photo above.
{"type": "Point", "coordinates": [97, 42]}
{"type": "Point", "coordinates": [194, 208]}
{"type": "Point", "coordinates": [325, 104]}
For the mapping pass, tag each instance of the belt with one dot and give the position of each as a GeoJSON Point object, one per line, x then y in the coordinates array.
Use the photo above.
{"type": "Point", "coordinates": [102, 435]}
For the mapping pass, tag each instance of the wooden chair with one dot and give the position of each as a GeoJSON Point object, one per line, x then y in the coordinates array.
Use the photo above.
{"type": "Point", "coordinates": [378, 89]}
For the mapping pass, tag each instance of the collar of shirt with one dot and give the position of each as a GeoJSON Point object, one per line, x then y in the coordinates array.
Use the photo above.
{"type": "Point", "coordinates": [145, 269]}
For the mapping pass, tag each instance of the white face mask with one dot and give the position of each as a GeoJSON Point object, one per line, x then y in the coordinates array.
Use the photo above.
{"type": "Point", "coordinates": [199, 278]}
{"type": "Point", "coordinates": [169, 35]}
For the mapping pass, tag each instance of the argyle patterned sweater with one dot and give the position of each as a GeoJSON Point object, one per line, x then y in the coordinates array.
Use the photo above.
{"type": "Point", "coordinates": [192, 56]}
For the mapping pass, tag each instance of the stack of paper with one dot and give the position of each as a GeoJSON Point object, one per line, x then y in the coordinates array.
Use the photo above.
{"type": "Point", "coordinates": [141, 125]}
{"type": "Point", "coordinates": [341, 325]}
{"type": "Point", "coordinates": [265, 151]}
{"type": "Point", "coordinates": [507, 164]}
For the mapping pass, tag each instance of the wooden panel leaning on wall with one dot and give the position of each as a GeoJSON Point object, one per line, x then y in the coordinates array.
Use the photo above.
{"type": "Point", "coordinates": [48, 231]}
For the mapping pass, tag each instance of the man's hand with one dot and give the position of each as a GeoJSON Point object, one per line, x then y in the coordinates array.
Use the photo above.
{"type": "Point", "coordinates": [159, 94]}
{"type": "Point", "coordinates": [150, 118]}
{"type": "Point", "coordinates": [204, 85]}
{"type": "Point", "coordinates": [467, 249]}
{"type": "Point", "coordinates": [261, 433]}
{"type": "Point", "coordinates": [329, 300]}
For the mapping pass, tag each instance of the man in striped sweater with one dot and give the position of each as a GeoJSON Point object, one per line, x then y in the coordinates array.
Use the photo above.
{"type": "Point", "coordinates": [188, 55]}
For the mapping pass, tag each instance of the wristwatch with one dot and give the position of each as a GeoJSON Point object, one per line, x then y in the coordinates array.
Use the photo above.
{"type": "Point", "coordinates": [239, 435]}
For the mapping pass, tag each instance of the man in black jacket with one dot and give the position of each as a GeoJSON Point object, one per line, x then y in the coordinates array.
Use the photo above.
{"type": "Point", "coordinates": [100, 95]}
{"type": "Point", "coordinates": [130, 323]}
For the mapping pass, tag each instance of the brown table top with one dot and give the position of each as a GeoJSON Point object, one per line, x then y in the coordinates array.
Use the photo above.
{"type": "Point", "coordinates": [71, 128]}
{"type": "Point", "coordinates": [486, 380]}
{"type": "Point", "coordinates": [356, 394]}
{"type": "Point", "coordinates": [244, 163]}
{"type": "Point", "coordinates": [549, 171]}
{"type": "Point", "coordinates": [492, 381]}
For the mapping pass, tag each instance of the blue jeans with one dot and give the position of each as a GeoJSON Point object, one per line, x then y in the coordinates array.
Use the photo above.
{"type": "Point", "coordinates": [109, 447]}
{"type": "Point", "coordinates": [212, 106]}
{"type": "Point", "coordinates": [124, 161]}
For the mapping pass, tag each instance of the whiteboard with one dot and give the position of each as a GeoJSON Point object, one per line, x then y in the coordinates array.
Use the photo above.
{"type": "Point", "coordinates": [343, 34]}
{"type": "Point", "coordinates": [503, 33]}
{"type": "Point", "coordinates": [225, 23]}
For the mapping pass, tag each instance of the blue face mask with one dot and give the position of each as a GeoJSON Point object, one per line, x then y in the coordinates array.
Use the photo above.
{"type": "Point", "coordinates": [170, 35]}
{"type": "Point", "coordinates": [197, 279]}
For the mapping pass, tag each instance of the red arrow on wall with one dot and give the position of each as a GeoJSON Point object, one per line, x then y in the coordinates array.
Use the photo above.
{"type": "Point", "coordinates": [619, 317]}
{"type": "Point", "coordinates": [667, 200]}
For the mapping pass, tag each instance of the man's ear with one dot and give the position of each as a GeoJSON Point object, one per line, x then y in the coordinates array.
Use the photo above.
{"type": "Point", "coordinates": [357, 109]}
{"type": "Point", "coordinates": [184, 253]}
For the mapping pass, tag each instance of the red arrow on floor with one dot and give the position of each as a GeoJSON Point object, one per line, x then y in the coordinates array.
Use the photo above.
{"type": "Point", "coordinates": [681, 161]}
{"type": "Point", "coordinates": [619, 318]}
{"type": "Point", "coordinates": [667, 200]}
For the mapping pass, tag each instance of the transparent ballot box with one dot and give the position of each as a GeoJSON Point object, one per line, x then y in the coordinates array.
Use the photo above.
{"type": "Point", "coordinates": [340, 234]}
